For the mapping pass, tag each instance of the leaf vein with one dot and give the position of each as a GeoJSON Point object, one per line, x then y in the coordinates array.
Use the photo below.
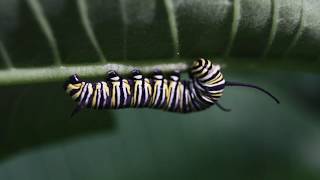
{"type": "Point", "coordinates": [45, 27]}
{"type": "Point", "coordinates": [234, 26]}
{"type": "Point", "coordinates": [86, 22]}
{"type": "Point", "coordinates": [299, 31]}
{"type": "Point", "coordinates": [5, 56]}
{"type": "Point", "coordinates": [274, 27]}
{"type": "Point", "coordinates": [173, 26]}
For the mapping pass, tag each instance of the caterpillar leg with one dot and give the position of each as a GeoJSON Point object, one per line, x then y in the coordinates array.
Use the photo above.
{"type": "Point", "coordinates": [175, 75]}
{"type": "Point", "coordinates": [136, 74]}
{"type": "Point", "coordinates": [112, 76]}
{"type": "Point", "coordinates": [222, 108]}
{"type": "Point", "coordinates": [157, 74]}
{"type": "Point", "coordinates": [71, 80]}
{"type": "Point", "coordinates": [74, 78]}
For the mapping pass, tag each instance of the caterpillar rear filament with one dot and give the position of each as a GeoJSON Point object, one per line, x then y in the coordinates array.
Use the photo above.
{"type": "Point", "coordinates": [203, 90]}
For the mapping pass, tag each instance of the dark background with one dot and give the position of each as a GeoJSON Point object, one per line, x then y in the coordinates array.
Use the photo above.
{"type": "Point", "coordinates": [257, 140]}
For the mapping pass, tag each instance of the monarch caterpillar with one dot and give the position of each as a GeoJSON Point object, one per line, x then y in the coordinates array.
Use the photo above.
{"type": "Point", "coordinates": [203, 90]}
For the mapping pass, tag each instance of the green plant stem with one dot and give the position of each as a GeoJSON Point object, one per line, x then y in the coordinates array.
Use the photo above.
{"type": "Point", "coordinates": [56, 73]}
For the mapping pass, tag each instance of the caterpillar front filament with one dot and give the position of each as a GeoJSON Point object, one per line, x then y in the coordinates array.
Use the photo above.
{"type": "Point", "coordinates": [203, 90]}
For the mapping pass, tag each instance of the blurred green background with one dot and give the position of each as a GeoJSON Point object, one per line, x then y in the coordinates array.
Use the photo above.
{"type": "Point", "coordinates": [272, 43]}
{"type": "Point", "coordinates": [257, 140]}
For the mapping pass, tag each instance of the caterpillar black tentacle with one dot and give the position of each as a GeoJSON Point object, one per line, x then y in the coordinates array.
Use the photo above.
{"type": "Point", "coordinates": [222, 108]}
{"type": "Point", "coordinates": [228, 83]}
{"type": "Point", "coordinates": [205, 87]}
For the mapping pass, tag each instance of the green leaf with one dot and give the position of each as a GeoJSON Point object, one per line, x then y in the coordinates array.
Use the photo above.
{"type": "Point", "coordinates": [38, 36]}
{"type": "Point", "coordinates": [48, 40]}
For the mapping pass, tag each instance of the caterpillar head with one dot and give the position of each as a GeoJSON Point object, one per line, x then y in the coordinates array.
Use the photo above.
{"type": "Point", "coordinates": [202, 66]}
{"type": "Point", "coordinates": [210, 82]}
{"type": "Point", "coordinates": [208, 78]}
